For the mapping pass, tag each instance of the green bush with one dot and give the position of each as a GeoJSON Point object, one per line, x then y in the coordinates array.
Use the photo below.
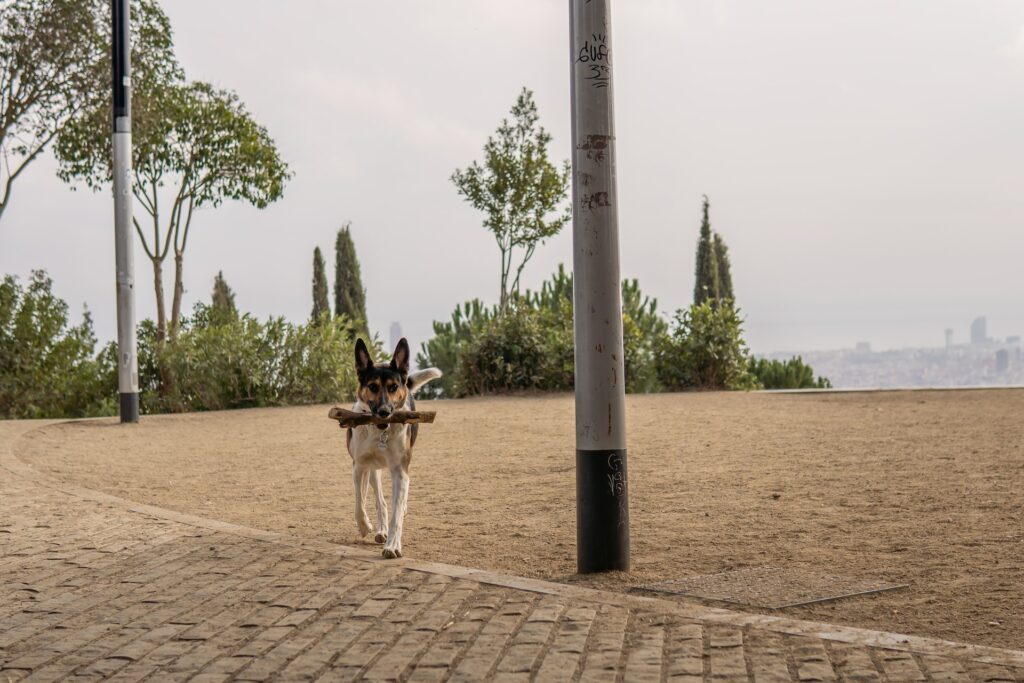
{"type": "Point", "coordinates": [222, 361]}
{"type": "Point", "coordinates": [790, 374]}
{"type": "Point", "coordinates": [48, 368]}
{"type": "Point", "coordinates": [443, 350]}
{"type": "Point", "coordinates": [526, 348]}
{"type": "Point", "coordinates": [705, 350]}
{"type": "Point", "coordinates": [534, 349]}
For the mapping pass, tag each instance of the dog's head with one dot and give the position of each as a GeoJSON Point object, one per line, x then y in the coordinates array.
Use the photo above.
{"type": "Point", "coordinates": [383, 387]}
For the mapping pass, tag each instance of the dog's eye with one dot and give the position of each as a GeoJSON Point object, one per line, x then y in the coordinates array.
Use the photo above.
{"type": "Point", "coordinates": [374, 387]}
{"type": "Point", "coordinates": [392, 388]}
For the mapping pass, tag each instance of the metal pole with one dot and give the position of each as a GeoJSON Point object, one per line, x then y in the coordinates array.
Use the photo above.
{"type": "Point", "coordinates": [127, 359]}
{"type": "Point", "coordinates": [602, 501]}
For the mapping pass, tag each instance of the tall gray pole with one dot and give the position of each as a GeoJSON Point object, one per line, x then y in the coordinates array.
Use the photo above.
{"type": "Point", "coordinates": [127, 359]}
{"type": "Point", "coordinates": [602, 501]}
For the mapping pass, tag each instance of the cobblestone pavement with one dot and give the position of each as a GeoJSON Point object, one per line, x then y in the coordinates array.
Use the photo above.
{"type": "Point", "coordinates": [93, 587]}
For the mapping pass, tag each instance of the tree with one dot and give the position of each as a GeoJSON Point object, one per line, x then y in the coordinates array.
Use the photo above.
{"type": "Point", "coordinates": [223, 296]}
{"type": "Point", "coordinates": [725, 290]}
{"type": "Point", "coordinates": [51, 67]}
{"type": "Point", "coordinates": [321, 305]}
{"type": "Point", "coordinates": [518, 189]}
{"type": "Point", "coordinates": [707, 282]}
{"type": "Point", "coordinates": [192, 143]}
{"type": "Point", "coordinates": [706, 350]}
{"type": "Point", "coordinates": [349, 295]}
{"type": "Point", "coordinates": [47, 366]}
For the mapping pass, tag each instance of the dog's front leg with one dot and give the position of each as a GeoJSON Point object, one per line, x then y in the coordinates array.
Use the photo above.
{"type": "Point", "coordinates": [382, 508]}
{"type": "Point", "coordinates": [399, 498]}
{"type": "Point", "coordinates": [360, 475]}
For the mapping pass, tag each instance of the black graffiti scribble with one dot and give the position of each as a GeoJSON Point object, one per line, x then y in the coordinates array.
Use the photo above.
{"type": "Point", "coordinates": [596, 54]}
{"type": "Point", "coordinates": [595, 50]}
{"type": "Point", "coordinates": [595, 146]}
{"type": "Point", "coordinates": [594, 200]}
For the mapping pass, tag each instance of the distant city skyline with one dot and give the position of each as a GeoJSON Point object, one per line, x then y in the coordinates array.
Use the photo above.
{"type": "Point", "coordinates": [865, 194]}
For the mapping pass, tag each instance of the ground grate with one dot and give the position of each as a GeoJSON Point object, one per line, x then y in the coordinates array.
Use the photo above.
{"type": "Point", "coordinates": [770, 587]}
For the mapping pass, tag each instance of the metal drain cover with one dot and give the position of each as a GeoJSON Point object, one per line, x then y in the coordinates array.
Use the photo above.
{"type": "Point", "coordinates": [770, 587]}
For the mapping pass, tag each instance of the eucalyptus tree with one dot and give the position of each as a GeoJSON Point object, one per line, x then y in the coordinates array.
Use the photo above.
{"type": "Point", "coordinates": [193, 146]}
{"type": "Point", "coordinates": [51, 67]}
{"type": "Point", "coordinates": [519, 190]}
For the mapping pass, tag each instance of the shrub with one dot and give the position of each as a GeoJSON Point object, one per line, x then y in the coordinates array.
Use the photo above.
{"type": "Point", "coordinates": [535, 349]}
{"type": "Point", "coordinates": [790, 374]}
{"type": "Point", "coordinates": [526, 348]}
{"type": "Point", "coordinates": [47, 368]}
{"type": "Point", "coordinates": [219, 361]}
{"type": "Point", "coordinates": [705, 350]}
{"type": "Point", "coordinates": [443, 350]}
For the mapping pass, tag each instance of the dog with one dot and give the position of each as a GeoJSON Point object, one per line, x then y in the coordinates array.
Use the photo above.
{"type": "Point", "coordinates": [383, 389]}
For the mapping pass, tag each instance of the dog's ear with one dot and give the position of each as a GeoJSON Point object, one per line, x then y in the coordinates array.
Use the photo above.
{"type": "Point", "coordinates": [400, 359]}
{"type": "Point", "coordinates": [363, 360]}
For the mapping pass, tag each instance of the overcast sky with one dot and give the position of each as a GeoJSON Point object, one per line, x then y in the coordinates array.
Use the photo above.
{"type": "Point", "coordinates": [864, 159]}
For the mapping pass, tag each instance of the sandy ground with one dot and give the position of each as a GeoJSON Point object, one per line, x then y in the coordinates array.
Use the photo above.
{"type": "Point", "coordinates": [925, 488]}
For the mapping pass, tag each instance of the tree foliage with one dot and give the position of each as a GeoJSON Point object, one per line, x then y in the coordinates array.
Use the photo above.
{"type": "Point", "coordinates": [48, 367]}
{"type": "Point", "coordinates": [706, 282]}
{"type": "Point", "coordinates": [349, 294]}
{"type": "Point", "coordinates": [223, 298]}
{"type": "Point", "coordinates": [724, 268]}
{"type": "Point", "coordinates": [481, 352]}
{"type": "Point", "coordinates": [788, 374]}
{"type": "Point", "coordinates": [51, 67]}
{"type": "Point", "coordinates": [713, 279]}
{"type": "Point", "coordinates": [705, 350]}
{"type": "Point", "coordinates": [193, 146]}
{"type": "Point", "coordinates": [241, 362]}
{"type": "Point", "coordinates": [321, 305]}
{"type": "Point", "coordinates": [518, 189]}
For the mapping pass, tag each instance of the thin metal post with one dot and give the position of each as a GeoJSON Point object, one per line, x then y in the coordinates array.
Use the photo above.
{"type": "Point", "coordinates": [127, 358]}
{"type": "Point", "coordinates": [602, 501]}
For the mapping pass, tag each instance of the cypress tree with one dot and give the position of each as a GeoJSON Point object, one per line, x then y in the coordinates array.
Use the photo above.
{"type": "Point", "coordinates": [349, 295]}
{"type": "Point", "coordinates": [321, 305]}
{"type": "Point", "coordinates": [223, 297]}
{"type": "Point", "coordinates": [724, 269]}
{"type": "Point", "coordinates": [706, 284]}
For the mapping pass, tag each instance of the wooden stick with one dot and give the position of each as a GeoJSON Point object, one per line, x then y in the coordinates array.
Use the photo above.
{"type": "Point", "coordinates": [350, 418]}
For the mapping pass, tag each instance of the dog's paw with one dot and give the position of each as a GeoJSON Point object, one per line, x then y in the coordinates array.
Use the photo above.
{"type": "Point", "coordinates": [364, 526]}
{"type": "Point", "coordinates": [391, 554]}
{"type": "Point", "coordinates": [380, 538]}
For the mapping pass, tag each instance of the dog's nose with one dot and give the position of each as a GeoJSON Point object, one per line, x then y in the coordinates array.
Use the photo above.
{"type": "Point", "coordinates": [384, 411]}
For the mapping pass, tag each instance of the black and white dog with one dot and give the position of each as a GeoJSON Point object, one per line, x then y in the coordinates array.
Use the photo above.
{"type": "Point", "coordinates": [383, 389]}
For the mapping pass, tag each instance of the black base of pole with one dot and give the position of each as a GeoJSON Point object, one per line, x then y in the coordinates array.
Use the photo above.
{"type": "Point", "coordinates": [129, 408]}
{"type": "Point", "coordinates": [602, 511]}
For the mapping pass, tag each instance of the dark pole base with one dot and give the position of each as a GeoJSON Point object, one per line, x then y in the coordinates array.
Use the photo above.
{"type": "Point", "coordinates": [129, 408]}
{"type": "Point", "coordinates": [602, 511]}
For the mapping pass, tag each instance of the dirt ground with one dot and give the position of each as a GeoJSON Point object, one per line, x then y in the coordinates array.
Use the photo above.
{"type": "Point", "coordinates": [924, 488]}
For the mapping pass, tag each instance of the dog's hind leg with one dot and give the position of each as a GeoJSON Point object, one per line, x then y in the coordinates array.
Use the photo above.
{"type": "Point", "coordinates": [360, 477]}
{"type": "Point", "coordinates": [399, 499]}
{"type": "Point", "coordinates": [382, 508]}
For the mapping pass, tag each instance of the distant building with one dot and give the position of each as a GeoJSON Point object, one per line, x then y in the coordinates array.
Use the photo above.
{"type": "Point", "coordinates": [978, 333]}
{"type": "Point", "coordinates": [863, 347]}
{"type": "Point", "coordinates": [1014, 340]}
{"type": "Point", "coordinates": [949, 337]}
{"type": "Point", "coordinates": [1002, 361]}
{"type": "Point", "coordinates": [395, 334]}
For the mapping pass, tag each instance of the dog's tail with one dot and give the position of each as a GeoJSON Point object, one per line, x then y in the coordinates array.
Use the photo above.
{"type": "Point", "coordinates": [421, 377]}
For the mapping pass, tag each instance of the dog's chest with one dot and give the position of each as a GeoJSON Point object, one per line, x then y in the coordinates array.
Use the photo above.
{"type": "Point", "coordinates": [379, 448]}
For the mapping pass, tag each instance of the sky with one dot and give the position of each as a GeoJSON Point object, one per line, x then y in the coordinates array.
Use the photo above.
{"type": "Point", "coordinates": [864, 160]}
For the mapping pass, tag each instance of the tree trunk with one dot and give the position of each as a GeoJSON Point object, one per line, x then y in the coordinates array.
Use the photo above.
{"type": "Point", "coordinates": [179, 289]}
{"type": "Point", "coordinates": [161, 311]}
